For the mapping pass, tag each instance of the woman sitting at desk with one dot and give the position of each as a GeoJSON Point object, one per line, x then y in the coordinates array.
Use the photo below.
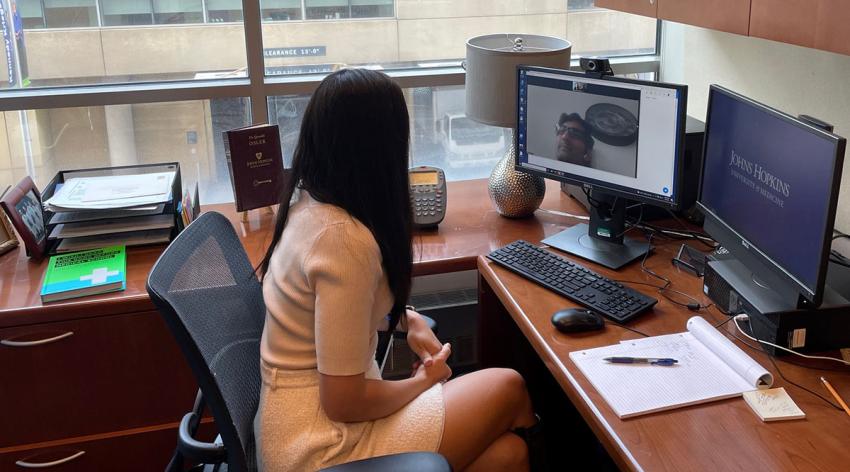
{"type": "Point", "coordinates": [339, 261]}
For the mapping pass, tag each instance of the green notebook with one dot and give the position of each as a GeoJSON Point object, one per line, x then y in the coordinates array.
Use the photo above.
{"type": "Point", "coordinates": [78, 274]}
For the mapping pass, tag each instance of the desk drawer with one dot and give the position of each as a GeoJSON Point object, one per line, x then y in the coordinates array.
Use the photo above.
{"type": "Point", "coordinates": [110, 373]}
{"type": "Point", "coordinates": [145, 451]}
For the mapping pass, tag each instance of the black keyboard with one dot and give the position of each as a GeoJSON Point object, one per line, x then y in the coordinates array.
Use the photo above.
{"type": "Point", "coordinates": [576, 282]}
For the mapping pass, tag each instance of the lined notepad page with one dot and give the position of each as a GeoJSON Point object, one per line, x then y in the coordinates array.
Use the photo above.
{"type": "Point", "coordinates": [634, 389]}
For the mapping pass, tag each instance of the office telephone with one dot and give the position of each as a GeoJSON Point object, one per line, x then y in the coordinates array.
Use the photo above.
{"type": "Point", "coordinates": [427, 195]}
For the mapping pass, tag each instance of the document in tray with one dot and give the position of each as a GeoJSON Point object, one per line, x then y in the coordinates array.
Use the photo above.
{"type": "Point", "coordinates": [112, 191]}
{"type": "Point", "coordinates": [135, 238]}
{"type": "Point", "coordinates": [120, 225]}
{"type": "Point", "coordinates": [78, 216]}
{"type": "Point", "coordinates": [710, 367]}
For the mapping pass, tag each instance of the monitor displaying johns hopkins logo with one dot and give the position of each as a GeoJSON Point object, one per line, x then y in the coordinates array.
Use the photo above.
{"type": "Point", "coordinates": [771, 179]}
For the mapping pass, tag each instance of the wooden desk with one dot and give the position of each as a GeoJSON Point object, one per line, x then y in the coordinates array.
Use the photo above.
{"type": "Point", "coordinates": [118, 385]}
{"type": "Point", "coordinates": [471, 228]}
{"type": "Point", "coordinates": [723, 435]}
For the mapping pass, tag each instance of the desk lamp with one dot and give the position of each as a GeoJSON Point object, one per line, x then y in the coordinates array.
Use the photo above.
{"type": "Point", "coordinates": [491, 99]}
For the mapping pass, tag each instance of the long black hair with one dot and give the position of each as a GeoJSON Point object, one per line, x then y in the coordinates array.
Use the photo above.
{"type": "Point", "coordinates": [352, 152]}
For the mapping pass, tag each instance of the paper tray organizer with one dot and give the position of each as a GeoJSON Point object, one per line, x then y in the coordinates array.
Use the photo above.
{"type": "Point", "coordinates": [62, 176]}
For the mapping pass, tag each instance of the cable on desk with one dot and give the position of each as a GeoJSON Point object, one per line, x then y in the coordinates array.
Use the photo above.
{"type": "Point", "coordinates": [834, 255]}
{"type": "Point", "coordinates": [728, 319]}
{"type": "Point", "coordinates": [776, 366]}
{"type": "Point", "coordinates": [695, 306]}
{"type": "Point", "coordinates": [563, 213]}
{"type": "Point", "coordinates": [626, 327]}
{"type": "Point", "coordinates": [630, 227]}
{"type": "Point", "coordinates": [826, 358]}
{"type": "Point", "coordinates": [698, 235]}
{"type": "Point", "coordinates": [664, 289]}
{"type": "Point", "coordinates": [679, 235]}
{"type": "Point", "coordinates": [838, 258]}
{"type": "Point", "coordinates": [683, 234]}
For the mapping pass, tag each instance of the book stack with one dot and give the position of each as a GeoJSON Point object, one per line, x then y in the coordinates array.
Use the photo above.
{"type": "Point", "coordinates": [128, 206]}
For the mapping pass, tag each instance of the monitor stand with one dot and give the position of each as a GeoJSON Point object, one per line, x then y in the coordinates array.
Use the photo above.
{"type": "Point", "coordinates": [602, 241]}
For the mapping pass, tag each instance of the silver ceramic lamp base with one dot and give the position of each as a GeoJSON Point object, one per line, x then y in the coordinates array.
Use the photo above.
{"type": "Point", "coordinates": [514, 194]}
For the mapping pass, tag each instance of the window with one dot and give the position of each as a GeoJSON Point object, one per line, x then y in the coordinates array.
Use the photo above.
{"type": "Point", "coordinates": [188, 132]}
{"type": "Point", "coordinates": [327, 9]}
{"type": "Point", "coordinates": [127, 12]}
{"type": "Point", "coordinates": [32, 14]}
{"type": "Point", "coordinates": [371, 8]}
{"type": "Point", "coordinates": [68, 13]}
{"type": "Point", "coordinates": [281, 10]}
{"type": "Point", "coordinates": [224, 11]}
{"type": "Point", "coordinates": [580, 4]}
{"type": "Point", "coordinates": [177, 11]}
{"type": "Point", "coordinates": [163, 78]}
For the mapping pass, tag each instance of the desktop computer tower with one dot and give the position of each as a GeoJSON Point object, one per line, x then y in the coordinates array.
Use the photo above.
{"type": "Point", "coordinates": [803, 330]}
{"type": "Point", "coordinates": [823, 328]}
{"type": "Point", "coordinates": [694, 131]}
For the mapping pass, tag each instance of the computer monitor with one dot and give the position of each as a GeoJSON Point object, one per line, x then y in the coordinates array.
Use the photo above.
{"type": "Point", "coordinates": [769, 192]}
{"type": "Point", "coordinates": [619, 139]}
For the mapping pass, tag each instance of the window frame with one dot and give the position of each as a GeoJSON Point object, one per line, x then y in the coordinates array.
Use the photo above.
{"type": "Point", "coordinates": [257, 87]}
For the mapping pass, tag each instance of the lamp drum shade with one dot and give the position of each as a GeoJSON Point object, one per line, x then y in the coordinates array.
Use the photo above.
{"type": "Point", "coordinates": [491, 75]}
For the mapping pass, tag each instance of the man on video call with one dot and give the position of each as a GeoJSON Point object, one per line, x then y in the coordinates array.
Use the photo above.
{"type": "Point", "coordinates": [574, 142]}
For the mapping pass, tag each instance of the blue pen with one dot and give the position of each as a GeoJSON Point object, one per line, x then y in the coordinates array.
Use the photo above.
{"type": "Point", "coordinates": [664, 361]}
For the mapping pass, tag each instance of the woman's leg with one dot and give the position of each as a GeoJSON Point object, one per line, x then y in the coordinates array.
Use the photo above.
{"type": "Point", "coordinates": [481, 409]}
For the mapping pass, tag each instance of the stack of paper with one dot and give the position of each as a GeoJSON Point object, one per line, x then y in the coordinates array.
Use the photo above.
{"type": "Point", "coordinates": [773, 404]}
{"type": "Point", "coordinates": [112, 192]}
{"type": "Point", "coordinates": [92, 212]}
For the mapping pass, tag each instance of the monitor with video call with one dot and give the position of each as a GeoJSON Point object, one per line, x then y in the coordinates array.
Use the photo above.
{"type": "Point", "coordinates": [619, 139]}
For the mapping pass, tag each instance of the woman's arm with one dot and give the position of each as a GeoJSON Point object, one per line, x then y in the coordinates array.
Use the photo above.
{"type": "Point", "coordinates": [420, 338]}
{"type": "Point", "coordinates": [354, 398]}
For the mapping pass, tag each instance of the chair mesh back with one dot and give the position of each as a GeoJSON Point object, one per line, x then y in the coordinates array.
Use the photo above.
{"type": "Point", "coordinates": [206, 289]}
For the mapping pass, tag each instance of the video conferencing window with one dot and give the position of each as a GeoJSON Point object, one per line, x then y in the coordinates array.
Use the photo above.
{"type": "Point", "coordinates": [617, 134]}
{"type": "Point", "coordinates": [599, 130]}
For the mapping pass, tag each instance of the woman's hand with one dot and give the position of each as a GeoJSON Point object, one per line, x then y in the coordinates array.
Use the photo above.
{"type": "Point", "coordinates": [438, 370]}
{"type": "Point", "coordinates": [421, 339]}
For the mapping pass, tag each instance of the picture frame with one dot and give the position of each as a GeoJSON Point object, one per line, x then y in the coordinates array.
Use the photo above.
{"type": "Point", "coordinates": [8, 240]}
{"type": "Point", "coordinates": [22, 203]}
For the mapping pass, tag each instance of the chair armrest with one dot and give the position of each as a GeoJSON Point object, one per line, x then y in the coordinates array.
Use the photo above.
{"type": "Point", "coordinates": [194, 450]}
{"type": "Point", "coordinates": [419, 461]}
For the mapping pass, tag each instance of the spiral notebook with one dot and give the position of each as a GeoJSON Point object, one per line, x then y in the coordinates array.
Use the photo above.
{"type": "Point", "coordinates": [710, 367]}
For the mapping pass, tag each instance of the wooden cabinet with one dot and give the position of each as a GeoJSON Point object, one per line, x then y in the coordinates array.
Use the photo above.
{"type": "Point", "coordinates": [135, 451]}
{"type": "Point", "coordinates": [724, 15]}
{"type": "Point", "coordinates": [789, 21]}
{"type": "Point", "coordinates": [142, 449]}
{"type": "Point", "coordinates": [732, 16]}
{"type": "Point", "coordinates": [820, 24]}
{"type": "Point", "coordinates": [638, 7]}
{"type": "Point", "coordinates": [89, 376]}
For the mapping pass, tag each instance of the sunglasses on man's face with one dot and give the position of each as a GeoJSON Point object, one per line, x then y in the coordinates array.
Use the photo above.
{"type": "Point", "coordinates": [571, 131]}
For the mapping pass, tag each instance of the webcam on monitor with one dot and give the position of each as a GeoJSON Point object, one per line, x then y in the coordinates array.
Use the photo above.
{"type": "Point", "coordinates": [596, 65]}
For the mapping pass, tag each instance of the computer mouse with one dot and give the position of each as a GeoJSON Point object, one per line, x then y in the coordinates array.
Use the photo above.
{"type": "Point", "coordinates": [575, 320]}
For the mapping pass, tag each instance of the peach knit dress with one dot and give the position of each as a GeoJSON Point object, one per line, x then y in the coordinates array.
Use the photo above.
{"type": "Point", "coordinates": [326, 293]}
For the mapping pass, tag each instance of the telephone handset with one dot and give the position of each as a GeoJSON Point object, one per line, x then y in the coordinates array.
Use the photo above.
{"type": "Point", "coordinates": [427, 195]}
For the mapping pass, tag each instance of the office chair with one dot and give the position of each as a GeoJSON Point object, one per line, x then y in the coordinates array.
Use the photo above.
{"type": "Point", "coordinates": [206, 290]}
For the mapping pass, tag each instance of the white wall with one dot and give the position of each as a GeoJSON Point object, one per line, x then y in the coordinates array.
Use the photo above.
{"type": "Point", "coordinates": [790, 78]}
